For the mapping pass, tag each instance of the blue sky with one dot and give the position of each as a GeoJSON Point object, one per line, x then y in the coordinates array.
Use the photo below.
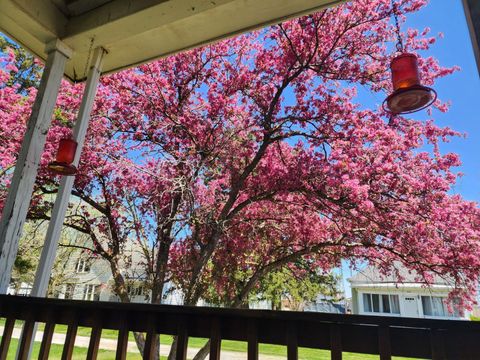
{"type": "Point", "coordinates": [462, 89]}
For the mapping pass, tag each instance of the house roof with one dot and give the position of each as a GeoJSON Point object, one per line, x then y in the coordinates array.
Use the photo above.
{"type": "Point", "coordinates": [138, 31]}
{"type": "Point", "coordinates": [371, 275]}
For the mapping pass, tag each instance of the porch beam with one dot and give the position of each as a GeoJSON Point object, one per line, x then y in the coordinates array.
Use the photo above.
{"type": "Point", "coordinates": [54, 230]}
{"type": "Point", "coordinates": [120, 19]}
{"type": "Point", "coordinates": [21, 188]}
{"type": "Point", "coordinates": [136, 32]}
{"type": "Point", "coordinates": [42, 14]}
{"type": "Point", "coordinates": [472, 13]}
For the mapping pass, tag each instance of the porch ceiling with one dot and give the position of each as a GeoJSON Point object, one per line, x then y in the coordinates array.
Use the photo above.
{"type": "Point", "coordinates": [137, 31]}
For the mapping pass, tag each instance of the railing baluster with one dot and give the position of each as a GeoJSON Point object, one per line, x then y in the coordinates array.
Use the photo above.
{"type": "Point", "coordinates": [252, 338]}
{"type": "Point", "coordinates": [215, 340]}
{"type": "Point", "coordinates": [182, 341]}
{"type": "Point", "coordinates": [292, 342]}
{"type": "Point", "coordinates": [149, 350]}
{"type": "Point", "coordinates": [94, 342]}
{"type": "Point", "coordinates": [26, 340]}
{"type": "Point", "coordinates": [6, 337]}
{"type": "Point", "coordinates": [122, 342]}
{"type": "Point", "coordinates": [437, 344]}
{"type": "Point", "coordinates": [46, 341]}
{"type": "Point", "coordinates": [335, 342]}
{"type": "Point", "coordinates": [384, 347]}
{"type": "Point", "coordinates": [69, 341]}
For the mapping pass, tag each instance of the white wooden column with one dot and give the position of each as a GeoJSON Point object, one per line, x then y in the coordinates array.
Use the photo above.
{"type": "Point", "coordinates": [21, 188]}
{"type": "Point", "coordinates": [54, 230]}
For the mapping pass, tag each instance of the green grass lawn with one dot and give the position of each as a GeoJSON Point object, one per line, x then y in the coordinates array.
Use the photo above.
{"type": "Point", "coordinates": [227, 345]}
{"type": "Point", "coordinates": [78, 354]}
{"type": "Point", "coordinates": [81, 353]}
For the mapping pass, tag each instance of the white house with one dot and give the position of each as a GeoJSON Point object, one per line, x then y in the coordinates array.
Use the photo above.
{"type": "Point", "coordinates": [92, 278]}
{"type": "Point", "coordinates": [23, 290]}
{"type": "Point", "coordinates": [375, 294]}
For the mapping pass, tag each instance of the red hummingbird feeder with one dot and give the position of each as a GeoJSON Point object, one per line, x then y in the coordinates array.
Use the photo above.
{"type": "Point", "coordinates": [409, 95]}
{"type": "Point", "coordinates": [63, 164]}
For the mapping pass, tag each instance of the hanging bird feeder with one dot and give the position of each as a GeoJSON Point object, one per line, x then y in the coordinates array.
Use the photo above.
{"type": "Point", "coordinates": [409, 94]}
{"type": "Point", "coordinates": [63, 164]}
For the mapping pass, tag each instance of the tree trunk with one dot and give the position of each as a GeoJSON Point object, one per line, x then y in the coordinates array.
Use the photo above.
{"type": "Point", "coordinates": [121, 291]}
{"type": "Point", "coordinates": [173, 350]}
{"type": "Point", "coordinates": [140, 341]}
{"type": "Point", "coordinates": [203, 352]}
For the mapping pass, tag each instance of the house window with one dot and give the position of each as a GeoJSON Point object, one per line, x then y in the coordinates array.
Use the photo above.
{"type": "Point", "coordinates": [435, 306]}
{"type": "Point", "coordinates": [380, 303]}
{"type": "Point", "coordinates": [69, 291]}
{"type": "Point", "coordinates": [91, 292]}
{"type": "Point", "coordinates": [82, 266]}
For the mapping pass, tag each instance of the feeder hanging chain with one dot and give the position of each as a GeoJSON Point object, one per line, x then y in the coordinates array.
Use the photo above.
{"type": "Point", "coordinates": [397, 25]}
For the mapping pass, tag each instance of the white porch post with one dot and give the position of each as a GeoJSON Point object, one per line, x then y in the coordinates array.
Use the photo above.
{"type": "Point", "coordinates": [47, 258]}
{"type": "Point", "coordinates": [21, 188]}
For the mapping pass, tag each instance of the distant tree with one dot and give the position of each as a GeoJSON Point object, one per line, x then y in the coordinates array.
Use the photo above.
{"type": "Point", "coordinates": [296, 282]}
{"type": "Point", "coordinates": [297, 285]}
{"type": "Point", "coordinates": [26, 261]}
{"type": "Point", "coordinates": [28, 256]}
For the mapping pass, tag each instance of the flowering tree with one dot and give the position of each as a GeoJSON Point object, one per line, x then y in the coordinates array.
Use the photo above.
{"type": "Point", "coordinates": [251, 154]}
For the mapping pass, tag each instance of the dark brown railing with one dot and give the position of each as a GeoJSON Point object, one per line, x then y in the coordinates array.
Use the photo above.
{"type": "Point", "coordinates": [385, 336]}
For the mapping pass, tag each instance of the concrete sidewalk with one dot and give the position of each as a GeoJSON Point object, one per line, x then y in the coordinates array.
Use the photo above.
{"type": "Point", "coordinates": [111, 344]}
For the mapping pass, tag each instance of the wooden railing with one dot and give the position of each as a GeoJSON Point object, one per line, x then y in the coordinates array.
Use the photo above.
{"type": "Point", "coordinates": [385, 336]}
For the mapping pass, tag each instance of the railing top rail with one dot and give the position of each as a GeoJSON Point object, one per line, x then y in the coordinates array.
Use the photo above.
{"type": "Point", "coordinates": [288, 316]}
